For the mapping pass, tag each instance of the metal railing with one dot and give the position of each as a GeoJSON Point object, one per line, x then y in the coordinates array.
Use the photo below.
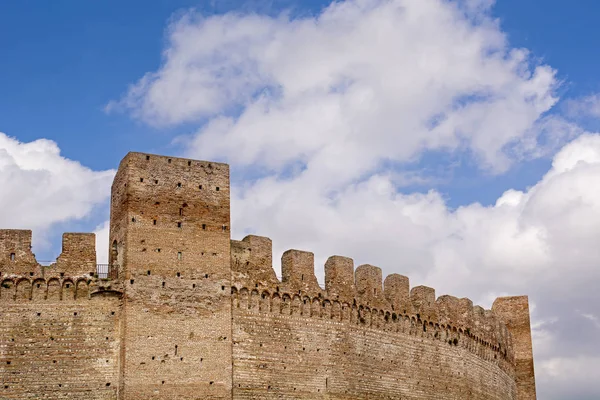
{"type": "Point", "coordinates": [107, 271]}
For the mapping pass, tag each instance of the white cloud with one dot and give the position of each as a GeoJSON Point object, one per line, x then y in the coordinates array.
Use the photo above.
{"type": "Point", "coordinates": [102, 238]}
{"type": "Point", "coordinates": [584, 107]}
{"type": "Point", "coordinates": [317, 109]}
{"type": "Point", "coordinates": [41, 188]}
{"type": "Point", "coordinates": [369, 79]}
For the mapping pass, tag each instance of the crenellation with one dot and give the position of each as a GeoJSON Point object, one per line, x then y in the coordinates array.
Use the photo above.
{"type": "Point", "coordinates": [369, 285]}
{"type": "Point", "coordinates": [339, 278]}
{"type": "Point", "coordinates": [16, 256]}
{"type": "Point", "coordinates": [193, 314]}
{"type": "Point", "coordinates": [396, 290]}
{"type": "Point", "coordinates": [422, 299]}
{"type": "Point", "coordinates": [252, 261]}
{"type": "Point", "coordinates": [78, 256]}
{"type": "Point", "coordinates": [298, 271]}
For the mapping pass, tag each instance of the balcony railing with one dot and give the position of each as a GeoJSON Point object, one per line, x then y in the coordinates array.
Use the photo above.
{"type": "Point", "coordinates": [107, 271]}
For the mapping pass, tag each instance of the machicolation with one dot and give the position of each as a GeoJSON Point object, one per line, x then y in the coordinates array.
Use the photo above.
{"type": "Point", "coordinates": [181, 311]}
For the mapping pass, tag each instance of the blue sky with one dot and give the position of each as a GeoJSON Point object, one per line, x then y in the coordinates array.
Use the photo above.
{"type": "Point", "coordinates": [64, 60]}
{"type": "Point", "coordinates": [366, 167]}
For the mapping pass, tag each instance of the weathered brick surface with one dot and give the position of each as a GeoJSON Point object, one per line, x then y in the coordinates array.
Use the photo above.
{"type": "Point", "coordinates": [170, 222]}
{"type": "Point", "coordinates": [514, 311]}
{"type": "Point", "coordinates": [56, 341]}
{"type": "Point", "coordinates": [191, 314]}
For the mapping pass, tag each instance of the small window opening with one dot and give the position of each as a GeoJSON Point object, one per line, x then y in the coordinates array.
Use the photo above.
{"type": "Point", "coordinates": [189, 163]}
{"type": "Point", "coordinates": [179, 255]}
{"type": "Point", "coordinates": [68, 285]}
{"type": "Point", "coordinates": [179, 224]}
{"type": "Point", "coordinates": [204, 226]}
{"type": "Point", "coordinates": [154, 222]}
{"type": "Point", "coordinates": [132, 219]}
{"type": "Point", "coordinates": [206, 275]}
{"type": "Point", "coordinates": [302, 277]}
{"type": "Point", "coordinates": [169, 161]}
{"type": "Point", "coordinates": [147, 158]}
{"type": "Point", "coordinates": [158, 250]}
{"type": "Point", "coordinates": [178, 184]}
{"type": "Point", "coordinates": [175, 349]}
{"type": "Point", "coordinates": [181, 212]}
{"type": "Point", "coordinates": [374, 291]}
{"type": "Point", "coordinates": [224, 228]}
{"type": "Point", "coordinates": [178, 274]}
{"type": "Point", "coordinates": [108, 384]}
{"type": "Point", "coordinates": [217, 189]}
{"type": "Point", "coordinates": [141, 179]}
{"type": "Point", "coordinates": [163, 284]}
{"type": "Point", "coordinates": [31, 274]}
{"type": "Point", "coordinates": [200, 187]}
{"type": "Point", "coordinates": [148, 272]}
{"type": "Point", "coordinates": [156, 181]}
{"type": "Point", "coordinates": [131, 281]}
{"type": "Point", "coordinates": [12, 256]}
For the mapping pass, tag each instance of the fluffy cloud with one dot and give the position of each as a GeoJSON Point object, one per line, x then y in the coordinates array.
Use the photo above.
{"type": "Point", "coordinates": [585, 107]}
{"type": "Point", "coordinates": [374, 79]}
{"type": "Point", "coordinates": [321, 118]}
{"type": "Point", "coordinates": [41, 188]}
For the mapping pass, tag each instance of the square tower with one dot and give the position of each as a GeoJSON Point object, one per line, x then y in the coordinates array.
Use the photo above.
{"type": "Point", "coordinates": [170, 241]}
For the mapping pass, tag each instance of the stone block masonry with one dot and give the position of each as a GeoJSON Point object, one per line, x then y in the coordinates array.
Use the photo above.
{"type": "Point", "coordinates": [187, 313]}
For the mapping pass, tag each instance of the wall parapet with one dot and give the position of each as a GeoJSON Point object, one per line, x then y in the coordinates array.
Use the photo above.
{"type": "Point", "coordinates": [363, 288]}
{"type": "Point", "coordinates": [293, 304]}
{"type": "Point", "coordinates": [20, 288]}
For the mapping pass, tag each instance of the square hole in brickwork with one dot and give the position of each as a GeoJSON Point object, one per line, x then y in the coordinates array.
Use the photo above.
{"type": "Point", "coordinates": [148, 272]}
{"type": "Point", "coordinates": [12, 256]}
{"type": "Point", "coordinates": [179, 224]}
{"type": "Point", "coordinates": [154, 222]}
{"type": "Point", "coordinates": [141, 179]}
{"type": "Point", "coordinates": [156, 181]}
{"type": "Point", "coordinates": [178, 274]}
{"type": "Point", "coordinates": [147, 158]}
{"type": "Point", "coordinates": [204, 226]}
{"type": "Point", "coordinates": [169, 160]}
{"type": "Point", "coordinates": [189, 163]}
{"type": "Point", "coordinates": [217, 189]}
{"type": "Point", "coordinates": [200, 187]}
{"type": "Point", "coordinates": [178, 184]}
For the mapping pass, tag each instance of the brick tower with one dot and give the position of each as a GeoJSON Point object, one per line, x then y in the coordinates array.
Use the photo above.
{"type": "Point", "coordinates": [170, 240]}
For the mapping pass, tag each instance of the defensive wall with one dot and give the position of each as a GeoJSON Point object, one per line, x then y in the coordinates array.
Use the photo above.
{"type": "Point", "coordinates": [184, 312]}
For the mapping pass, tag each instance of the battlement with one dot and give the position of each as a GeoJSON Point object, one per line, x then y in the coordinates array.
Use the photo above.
{"type": "Point", "coordinates": [188, 312]}
{"type": "Point", "coordinates": [78, 256]}
{"type": "Point", "coordinates": [364, 288]}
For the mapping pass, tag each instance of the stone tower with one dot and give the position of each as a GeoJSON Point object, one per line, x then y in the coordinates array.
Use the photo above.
{"type": "Point", "coordinates": [170, 241]}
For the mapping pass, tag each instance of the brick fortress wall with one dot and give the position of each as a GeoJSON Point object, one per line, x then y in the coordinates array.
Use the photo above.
{"type": "Point", "coordinates": [59, 335]}
{"type": "Point", "coordinates": [358, 337]}
{"type": "Point", "coordinates": [170, 235]}
{"type": "Point", "coordinates": [190, 313]}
